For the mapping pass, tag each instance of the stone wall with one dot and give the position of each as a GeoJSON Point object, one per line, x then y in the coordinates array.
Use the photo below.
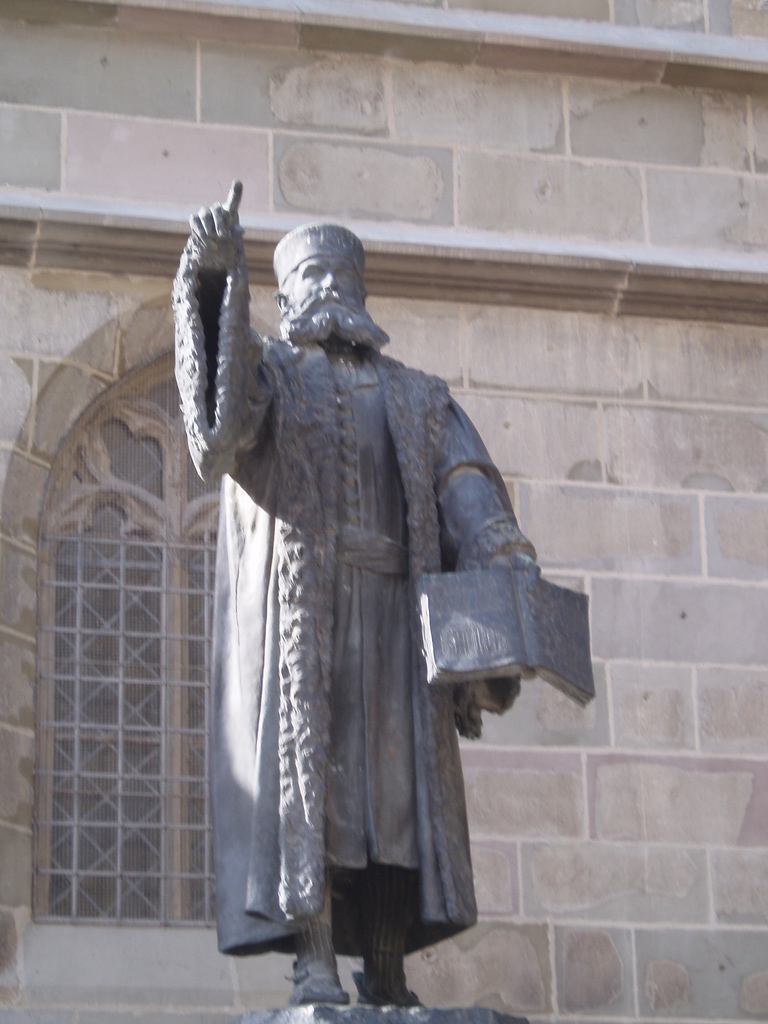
{"type": "Point", "coordinates": [429, 143]}
{"type": "Point", "coordinates": [621, 852]}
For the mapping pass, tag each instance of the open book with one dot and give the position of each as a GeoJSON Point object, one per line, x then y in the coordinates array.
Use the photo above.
{"type": "Point", "coordinates": [489, 623]}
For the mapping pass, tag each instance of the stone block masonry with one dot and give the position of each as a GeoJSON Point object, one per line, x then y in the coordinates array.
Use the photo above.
{"type": "Point", "coordinates": [620, 851]}
{"type": "Point", "coordinates": [654, 835]}
{"type": "Point", "coordinates": [374, 138]}
{"type": "Point", "coordinates": [614, 847]}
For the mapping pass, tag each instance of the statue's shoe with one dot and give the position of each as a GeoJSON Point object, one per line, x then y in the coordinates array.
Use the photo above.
{"type": "Point", "coordinates": [317, 983]}
{"type": "Point", "coordinates": [371, 995]}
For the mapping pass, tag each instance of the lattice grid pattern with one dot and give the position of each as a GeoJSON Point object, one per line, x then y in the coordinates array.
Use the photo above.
{"type": "Point", "coordinates": [123, 818]}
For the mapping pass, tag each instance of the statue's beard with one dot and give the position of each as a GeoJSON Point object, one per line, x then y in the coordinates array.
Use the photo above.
{"type": "Point", "coordinates": [326, 316]}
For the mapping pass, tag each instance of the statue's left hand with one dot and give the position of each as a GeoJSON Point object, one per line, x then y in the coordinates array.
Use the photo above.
{"type": "Point", "coordinates": [521, 562]}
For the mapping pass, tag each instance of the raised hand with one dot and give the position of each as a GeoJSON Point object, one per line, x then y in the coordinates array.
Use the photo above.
{"type": "Point", "coordinates": [216, 235]}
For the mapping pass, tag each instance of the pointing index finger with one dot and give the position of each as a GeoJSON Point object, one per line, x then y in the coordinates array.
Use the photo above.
{"type": "Point", "coordinates": [233, 199]}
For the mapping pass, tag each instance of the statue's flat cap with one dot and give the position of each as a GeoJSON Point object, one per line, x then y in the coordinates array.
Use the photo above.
{"type": "Point", "coordinates": [312, 240]}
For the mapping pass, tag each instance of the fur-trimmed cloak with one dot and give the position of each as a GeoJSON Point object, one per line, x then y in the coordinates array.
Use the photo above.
{"type": "Point", "coordinates": [277, 435]}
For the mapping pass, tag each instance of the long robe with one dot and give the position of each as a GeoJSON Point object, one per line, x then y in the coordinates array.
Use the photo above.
{"type": "Point", "coordinates": [278, 639]}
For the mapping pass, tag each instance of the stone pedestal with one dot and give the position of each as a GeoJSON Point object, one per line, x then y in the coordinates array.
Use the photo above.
{"type": "Point", "coordinates": [377, 1015]}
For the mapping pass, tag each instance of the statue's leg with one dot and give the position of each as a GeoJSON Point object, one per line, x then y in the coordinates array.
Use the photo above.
{"type": "Point", "coordinates": [315, 973]}
{"type": "Point", "coordinates": [390, 896]}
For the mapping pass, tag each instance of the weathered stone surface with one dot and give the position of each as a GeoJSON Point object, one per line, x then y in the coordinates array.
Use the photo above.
{"type": "Point", "coordinates": [760, 126]}
{"type": "Point", "coordinates": [725, 131]}
{"type": "Point", "coordinates": [17, 672]}
{"type": "Point", "coordinates": [543, 716]}
{"type": "Point", "coordinates": [615, 882]}
{"type": "Point", "coordinates": [87, 965]}
{"type": "Point", "coordinates": [17, 394]}
{"type": "Point", "coordinates": [30, 148]}
{"type": "Point", "coordinates": [265, 316]}
{"type": "Point", "coordinates": [494, 868]}
{"type": "Point", "coordinates": [15, 867]}
{"type": "Point", "coordinates": [748, 18]}
{"type": "Point", "coordinates": [524, 802]}
{"type": "Point", "coordinates": [5, 459]}
{"type": "Point", "coordinates": [652, 124]}
{"type": "Point", "coordinates": [326, 177]}
{"type": "Point", "coordinates": [425, 335]}
{"type": "Point", "coordinates": [264, 981]}
{"type": "Point", "coordinates": [588, 10]}
{"type": "Point", "coordinates": [148, 333]}
{"type": "Point", "coordinates": [9, 966]}
{"type": "Point", "coordinates": [705, 362]}
{"type": "Point", "coordinates": [18, 590]}
{"type": "Point", "coordinates": [22, 498]}
{"type": "Point", "coordinates": [151, 161]}
{"type": "Point", "coordinates": [505, 967]}
{"type": "Point", "coordinates": [343, 94]}
{"type": "Point", "coordinates": [740, 885]}
{"type": "Point", "coordinates": [36, 1016]}
{"type": "Point", "coordinates": [475, 106]}
{"type": "Point", "coordinates": [267, 88]}
{"type": "Point", "coordinates": [97, 351]}
{"type": "Point", "coordinates": [612, 529]}
{"type": "Point", "coordinates": [657, 802]}
{"type": "Point", "coordinates": [557, 713]}
{"type": "Point", "coordinates": [8, 940]}
{"type": "Point", "coordinates": [393, 44]}
{"type": "Point", "coordinates": [549, 197]}
{"type": "Point", "coordinates": [667, 985]}
{"type": "Point", "coordinates": [733, 709]}
{"type": "Point", "coordinates": [688, 14]}
{"type": "Point", "coordinates": [737, 537]}
{"type": "Point", "coordinates": [685, 15]}
{"type": "Point", "coordinates": [660, 447]}
{"type": "Point", "coordinates": [669, 621]}
{"type": "Point", "coordinates": [16, 766]}
{"type": "Point", "coordinates": [591, 969]}
{"type": "Point", "coordinates": [47, 322]}
{"type": "Point", "coordinates": [62, 398]}
{"type": "Point", "coordinates": [652, 706]}
{"type": "Point", "coordinates": [538, 439]}
{"type": "Point", "coordinates": [716, 963]}
{"type": "Point", "coordinates": [736, 209]}
{"type": "Point", "coordinates": [719, 17]}
{"type": "Point", "coordinates": [753, 994]}
{"type": "Point", "coordinates": [100, 70]}
{"type": "Point", "coordinates": [540, 350]}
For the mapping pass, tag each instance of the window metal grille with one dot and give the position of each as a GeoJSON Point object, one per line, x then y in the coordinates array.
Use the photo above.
{"type": "Point", "coordinates": [126, 591]}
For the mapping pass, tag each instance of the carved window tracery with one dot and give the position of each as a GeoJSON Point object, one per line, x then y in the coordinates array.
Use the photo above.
{"type": "Point", "coordinates": [125, 604]}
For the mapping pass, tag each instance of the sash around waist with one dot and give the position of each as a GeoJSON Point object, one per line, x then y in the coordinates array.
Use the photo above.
{"type": "Point", "coordinates": [371, 551]}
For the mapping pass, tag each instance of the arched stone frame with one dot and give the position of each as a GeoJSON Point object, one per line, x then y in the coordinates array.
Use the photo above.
{"type": "Point", "coordinates": [124, 607]}
{"type": "Point", "coordinates": [61, 391]}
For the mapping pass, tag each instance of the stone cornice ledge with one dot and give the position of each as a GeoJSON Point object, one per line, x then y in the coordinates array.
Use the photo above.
{"type": "Point", "coordinates": [483, 38]}
{"type": "Point", "coordinates": [411, 262]}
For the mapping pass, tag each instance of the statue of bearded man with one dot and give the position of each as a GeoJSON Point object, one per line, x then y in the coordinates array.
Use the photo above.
{"type": "Point", "coordinates": [338, 804]}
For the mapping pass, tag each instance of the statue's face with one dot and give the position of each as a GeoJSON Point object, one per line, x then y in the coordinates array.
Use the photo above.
{"type": "Point", "coordinates": [322, 278]}
{"type": "Point", "coordinates": [323, 297]}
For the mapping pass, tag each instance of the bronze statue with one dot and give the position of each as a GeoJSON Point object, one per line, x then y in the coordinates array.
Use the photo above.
{"type": "Point", "coordinates": [337, 792]}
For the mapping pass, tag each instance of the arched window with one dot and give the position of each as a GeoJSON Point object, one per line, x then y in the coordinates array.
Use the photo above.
{"type": "Point", "coordinates": [125, 600]}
